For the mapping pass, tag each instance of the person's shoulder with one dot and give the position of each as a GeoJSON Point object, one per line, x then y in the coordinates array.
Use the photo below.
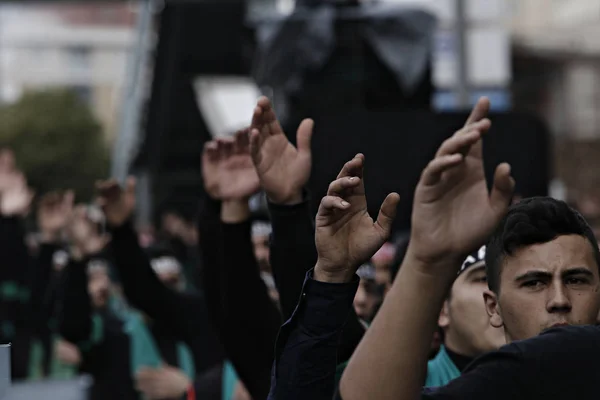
{"type": "Point", "coordinates": [566, 339]}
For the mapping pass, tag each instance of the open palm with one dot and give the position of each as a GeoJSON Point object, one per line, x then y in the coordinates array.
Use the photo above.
{"type": "Point", "coordinates": [227, 168]}
{"type": "Point", "coordinates": [346, 236]}
{"type": "Point", "coordinates": [282, 168]}
{"type": "Point", "coordinates": [453, 212]}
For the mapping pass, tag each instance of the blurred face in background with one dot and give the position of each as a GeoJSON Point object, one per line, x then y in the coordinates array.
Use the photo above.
{"type": "Point", "coordinates": [173, 224]}
{"type": "Point", "coordinates": [464, 318]}
{"type": "Point", "coordinates": [168, 270]}
{"type": "Point", "coordinates": [261, 233]}
{"type": "Point", "coordinates": [366, 300]}
{"type": "Point", "coordinates": [382, 261]}
{"type": "Point", "coordinates": [98, 284]}
{"type": "Point", "coordinates": [262, 252]}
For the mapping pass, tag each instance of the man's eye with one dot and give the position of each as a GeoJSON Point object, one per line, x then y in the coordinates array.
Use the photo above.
{"type": "Point", "coordinates": [482, 279]}
{"type": "Point", "coordinates": [576, 281]}
{"type": "Point", "coordinates": [533, 283]}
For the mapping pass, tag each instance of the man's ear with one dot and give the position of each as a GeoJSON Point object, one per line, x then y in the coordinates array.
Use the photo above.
{"type": "Point", "coordinates": [444, 318]}
{"type": "Point", "coordinates": [493, 308]}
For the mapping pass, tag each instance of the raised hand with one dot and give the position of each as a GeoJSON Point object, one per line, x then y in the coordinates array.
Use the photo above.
{"type": "Point", "coordinates": [227, 168]}
{"type": "Point", "coordinates": [283, 169]}
{"type": "Point", "coordinates": [118, 204]}
{"type": "Point", "coordinates": [54, 212]}
{"type": "Point", "coordinates": [16, 196]}
{"type": "Point", "coordinates": [83, 233]}
{"type": "Point", "coordinates": [453, 213]}
{"type": "Point", "coordinates": [346, 236]}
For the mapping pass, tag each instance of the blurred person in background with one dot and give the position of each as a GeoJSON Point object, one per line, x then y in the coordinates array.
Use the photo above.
{"type": "Point", "coordinates": [186, 349]}
{"type": "Point", "coordinates": [368, 296]}
{"type": "Point", "coordinates": [240, 302]}
{"type": "Point", "coordinates": [16, 324]}
{"type": "Point", "coordinates": [182, 237]}
{"type": "Point", "coordinates": [382, 261]}
{"type": "Point", "coordinates": [467, 332]}
{"type": "Point", "coordinates": [261, 232]}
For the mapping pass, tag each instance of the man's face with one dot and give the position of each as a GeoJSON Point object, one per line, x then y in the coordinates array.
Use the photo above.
{"type": "Point", "coordinates": [366, 299]}
{"type": "Point", "coordinates": [98, 287]}
{"type": "Point", "coordinates": [546, 285]}
{"type": "Point", "coordinates": [261, 251]}
{"type": "Point", "coordinates": [464, 319]}
{"type": "Point", "coordinates": [172, 280]}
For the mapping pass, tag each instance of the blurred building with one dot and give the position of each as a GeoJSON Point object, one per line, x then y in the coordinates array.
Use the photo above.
{"type": "Point", "coordinates": [83, 46]}
{"type": "Point", "coordinates": [557, 75]}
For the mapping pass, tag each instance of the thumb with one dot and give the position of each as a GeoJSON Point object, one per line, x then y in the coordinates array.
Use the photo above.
{"type": "Point", "coordinates": [502, 189]}
{"type": "Point", "coordinates": [387, 213]}
{"type": "Point", "coordinates": [304, 135]}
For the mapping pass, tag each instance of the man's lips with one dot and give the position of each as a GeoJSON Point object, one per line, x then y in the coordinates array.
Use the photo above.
{"type": "Point", "coordinates": [558, 324]}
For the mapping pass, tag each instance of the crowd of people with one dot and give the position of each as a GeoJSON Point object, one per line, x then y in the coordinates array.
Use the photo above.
{"type": "Point", "coordinates": [483, 299]}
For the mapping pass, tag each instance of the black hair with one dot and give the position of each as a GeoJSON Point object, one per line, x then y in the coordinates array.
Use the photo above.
{"type": "Point", "coordinates": [532, 221]}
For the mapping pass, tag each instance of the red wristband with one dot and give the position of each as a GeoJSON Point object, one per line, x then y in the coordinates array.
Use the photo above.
{"type": "Point", "coordinates": [191, 393]}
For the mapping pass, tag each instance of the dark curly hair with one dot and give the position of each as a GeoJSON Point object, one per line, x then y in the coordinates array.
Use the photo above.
{"type": "Point", "coordinates": [532, 221]}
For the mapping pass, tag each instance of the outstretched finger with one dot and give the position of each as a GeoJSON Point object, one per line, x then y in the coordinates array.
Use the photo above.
{"type": "Point", "coordinates": [241, 141]}
{"type": "Point", "coordinates": [480, 111]}
{"type": "Point", "coordinates": [331, 203]}
{"type": "Point", "coordinates": [211, 150]}
{"type": "Point", "coordinates": [353, 167]}
{"type": "Point", "coordinates": [460, 142]}
{"type": "Point", "coordinates": [255, 145]}
{"type": "Point", "coordinates": [433, 172]}
{"type": "Point", "coordinates": [265, 119]}
{"type": "Point", "coordinates": [387, 214]}
{"type": "Point", "coordinates": [337, 187]}
{"type": "Point", "coordinates": [502, 189]}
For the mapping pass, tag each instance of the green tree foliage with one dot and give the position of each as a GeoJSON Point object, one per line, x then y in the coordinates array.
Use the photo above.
{"type": "Point", "coordinates": [57, 141]}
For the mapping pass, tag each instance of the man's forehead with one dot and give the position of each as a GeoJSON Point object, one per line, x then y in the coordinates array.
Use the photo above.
{"type": "Point", "coordinates": [562, 253]}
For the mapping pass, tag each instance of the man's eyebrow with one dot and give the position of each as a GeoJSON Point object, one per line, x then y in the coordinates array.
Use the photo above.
{"type": "Point", "coordinates": [533, 274]}
{"type": "Point", "coordinates": [577, 271]}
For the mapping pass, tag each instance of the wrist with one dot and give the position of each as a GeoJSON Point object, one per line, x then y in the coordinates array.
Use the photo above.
{"type": "Point", "coordinates": [235, 211]}
{"type": "Point", "coordinates": [444, 268]}
{"type": "Point", "coordinates": [330, 274]}
{"type": "Point", "coordinates": [294, 198]}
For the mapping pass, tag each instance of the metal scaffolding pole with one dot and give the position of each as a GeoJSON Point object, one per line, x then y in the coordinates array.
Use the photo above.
{"type": "Point", "coordinates": [127, 139]}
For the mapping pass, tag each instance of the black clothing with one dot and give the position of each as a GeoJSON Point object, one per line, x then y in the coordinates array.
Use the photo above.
{"type": "Point", "coordinates": [293, 253]}
{"type": "Point", "coordinates": [246, 319]}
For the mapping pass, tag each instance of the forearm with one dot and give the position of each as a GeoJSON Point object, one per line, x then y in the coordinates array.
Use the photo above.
{"type": "Point", "coordinates": [307, 346]}
{"type": "Point", "coordinates": [141, 286]}
{"type": "Point", "coordinates": [398, 341]}
{"type": "Point", "coordinates": [75, 319]}
{"type": "Point", "coordinates": [251, 319]}
{"type": "Point", "coordinates": [293, 250]}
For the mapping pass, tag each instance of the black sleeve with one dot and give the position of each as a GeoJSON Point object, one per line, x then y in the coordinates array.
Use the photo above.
{"type": "Point", "coordinates": [45, 286]}
{"type": "Point", "coordinates": [293, 253]}
{"type": "Point", "coordinates": [307, 347]}
{"type": "Point", "coordinates": [75, 323]}
{"type": "Point", "coordinates": [242, 312]}
{"type": "Point", "coordinates": [184, 313]}
{"type": "Point", "coordinates": [15, 275]}
{"type": "Point", "coordinates": [15, 279]}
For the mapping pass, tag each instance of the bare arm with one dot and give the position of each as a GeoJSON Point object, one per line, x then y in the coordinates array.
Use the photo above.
{"type": "Point", "coordinates": [453, 213]}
